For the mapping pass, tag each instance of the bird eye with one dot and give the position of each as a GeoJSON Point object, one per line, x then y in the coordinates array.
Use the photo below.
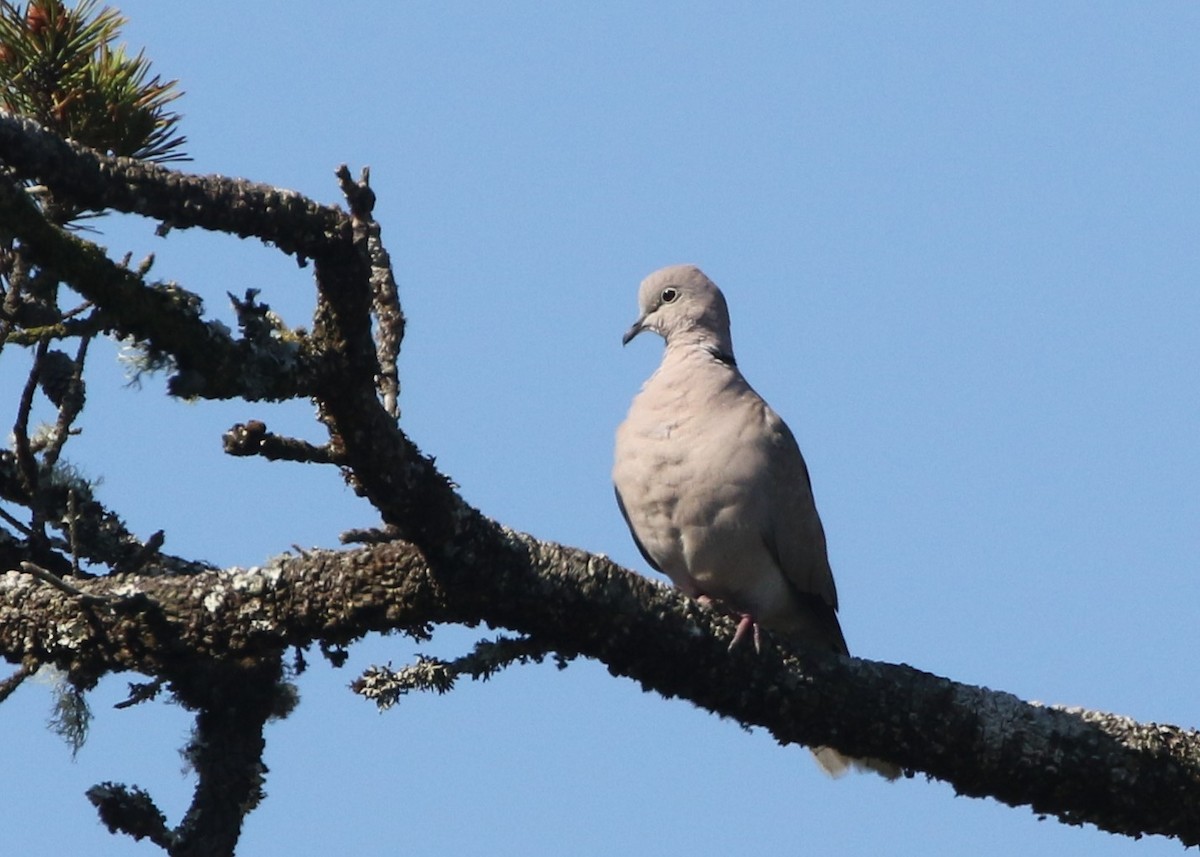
{"type": "Point", "coordinates": [669, 295]}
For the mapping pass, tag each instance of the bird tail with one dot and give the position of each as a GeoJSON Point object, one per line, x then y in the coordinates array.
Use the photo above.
{"type": "Point", "coordinates": [836, 764]}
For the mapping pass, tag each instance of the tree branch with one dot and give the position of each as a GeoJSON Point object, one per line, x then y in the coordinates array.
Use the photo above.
{"type": "Point", "coordinates": [384, 686]}
{"type": "Point", "coordinates": [91, 180]}
{"type": "Point", "coordinates": [8, 685]}
{"type": "Point", "coordinates": [211, 362]}
{"type": "Point", "coordinates": [1080, 766]}
{"type": "Point", "coordinates": [233, 702]}
{"type": "Point", "coordinates": [385, 297]}
{"type": "Point", "coordinates": [130, 811]}
{"type": "Point", "coordinates": [252, 438]}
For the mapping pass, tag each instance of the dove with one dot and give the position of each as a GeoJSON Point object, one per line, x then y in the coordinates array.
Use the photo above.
{"type": "Point", "coordinates": [713, 486]}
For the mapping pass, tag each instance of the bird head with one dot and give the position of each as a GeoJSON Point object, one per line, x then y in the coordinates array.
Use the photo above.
{"type": "Point", "coordinates": [681, 305]}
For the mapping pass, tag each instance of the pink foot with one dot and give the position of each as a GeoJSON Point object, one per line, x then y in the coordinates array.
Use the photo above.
{"type": "Point", "coordinates": [744, 628]}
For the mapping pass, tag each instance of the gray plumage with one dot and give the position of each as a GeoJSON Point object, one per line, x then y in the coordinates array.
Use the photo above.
{"type": "Point", "coordinates": [712, 482]}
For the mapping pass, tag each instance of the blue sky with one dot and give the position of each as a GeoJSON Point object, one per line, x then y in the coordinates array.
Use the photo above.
{"type": "Point", "coordinates": [959, 242]}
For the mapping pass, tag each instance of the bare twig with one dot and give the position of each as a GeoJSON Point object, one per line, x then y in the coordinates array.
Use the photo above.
{"type": "Point", "coordinates": [72, 530]}
{"type": "Point", "coordinates": [14, 681]}
{"type": "Point", "coordinates": [15, 523]}
{"type": "Point", "coordinates": [58, 583]}
{"type": "Point", "coordinates": [70, 407]}
{"type": "Point", "coordinates": [79, 310]}
{"type": "Point", "coordinates": [140, 692]}
{"type": "Point", "coordinates": [145, 554]}
{"type": "Point", "coordinates": [27, 467]}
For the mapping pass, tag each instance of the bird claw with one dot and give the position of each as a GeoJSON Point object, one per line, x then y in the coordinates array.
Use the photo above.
{"type": "Point", "coordinates": [744, 627]}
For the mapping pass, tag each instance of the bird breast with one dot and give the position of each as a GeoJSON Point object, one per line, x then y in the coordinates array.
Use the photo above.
{"type": "Point", "coordinates": [688, 460]}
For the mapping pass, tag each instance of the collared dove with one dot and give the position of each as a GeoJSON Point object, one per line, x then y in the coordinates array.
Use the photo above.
{"type": "Point", "coordinates": [713, 485]}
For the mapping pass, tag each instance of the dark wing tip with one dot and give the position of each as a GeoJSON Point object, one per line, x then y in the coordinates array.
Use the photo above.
{"type": "Point", "coordinates": [641, 548]}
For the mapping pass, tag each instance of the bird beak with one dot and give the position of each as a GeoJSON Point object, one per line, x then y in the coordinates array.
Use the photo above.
{"type": "Point", "coordinates": [633, 331]}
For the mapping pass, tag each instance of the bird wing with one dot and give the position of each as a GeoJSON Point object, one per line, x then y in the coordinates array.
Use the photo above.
{"type": "Point", "coordinates": [633, 531]}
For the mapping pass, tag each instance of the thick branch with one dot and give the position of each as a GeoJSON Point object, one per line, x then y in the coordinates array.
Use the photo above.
{"type": "Point", "coordinates": [382, 463]}
{"type": "Point", "coordinates": [1082, 766]}
{"type": "Point", "coordinates": [92, 180]}
{"type": "Point", "coordinates": [233, 703]}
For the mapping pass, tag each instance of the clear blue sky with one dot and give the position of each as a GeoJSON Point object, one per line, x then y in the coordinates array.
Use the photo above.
{"type": "Point", "coordinates": [960, 246]}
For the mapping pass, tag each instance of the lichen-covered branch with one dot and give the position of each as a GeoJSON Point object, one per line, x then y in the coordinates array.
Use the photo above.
{"type": "Point", "coordinates": [381, 462]}
{"type": "Point", "coordinates": [385, 296]}
{"type": "Point", "coordinates": [384, 686]}
{"type": "Point", "coordinates": [233, 700]}
{"type": "Point", "coordinates": [131, 811]}
{"type": "Point", "coordinates": [1081, 766]}
{"type": "Point", "coordinates": [211, 363]}
{"type": "Point", "coordinates": [91, 180]}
